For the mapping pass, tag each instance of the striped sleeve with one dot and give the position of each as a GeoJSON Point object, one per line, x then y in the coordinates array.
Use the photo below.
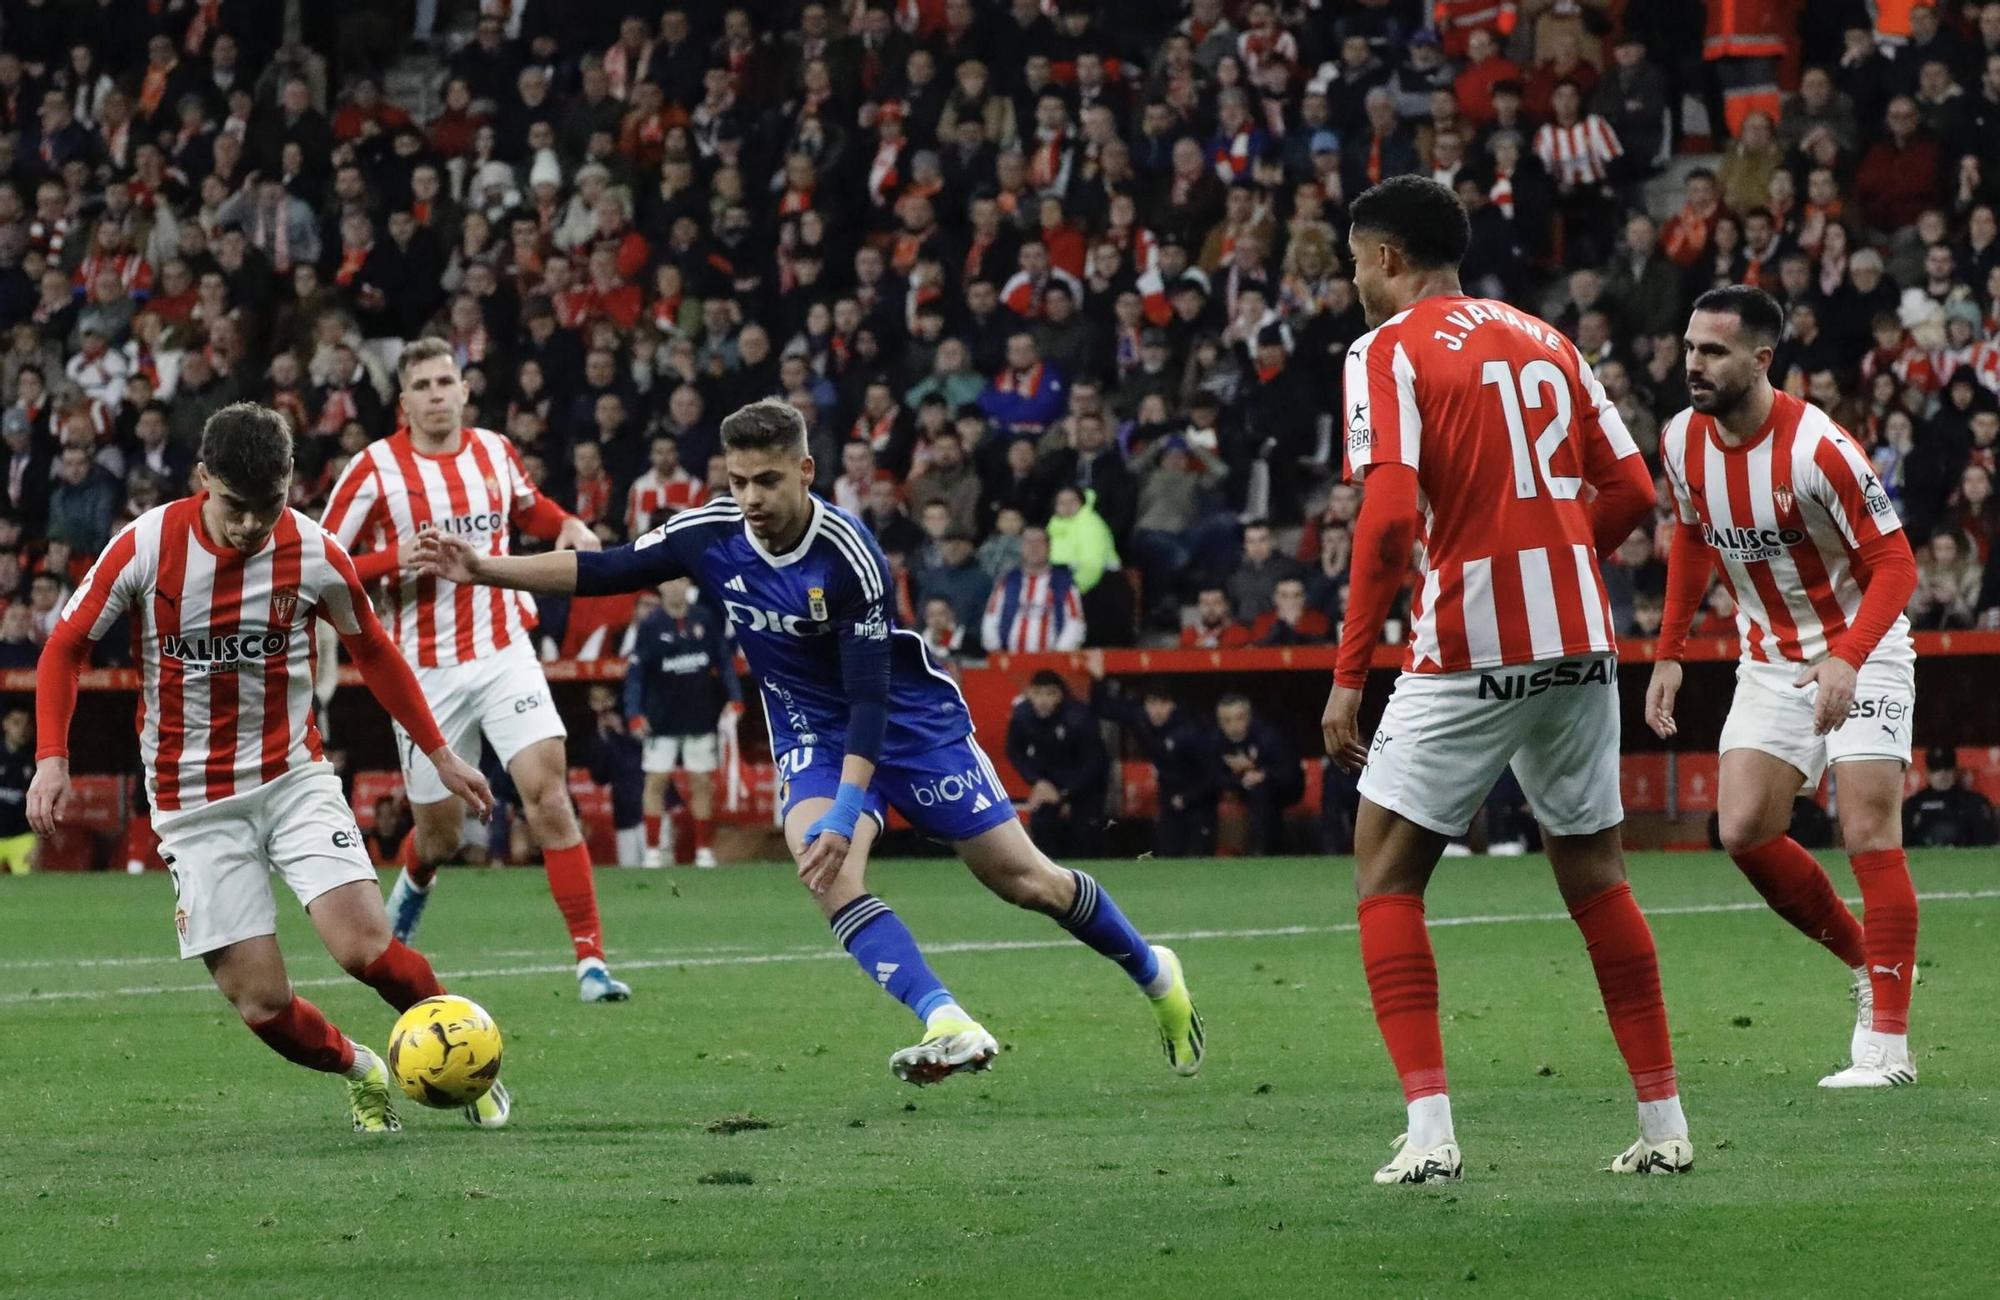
{"type": "Point", "coordinates": [1673, 459]}
{"type": "Point", "coordinates": [520, 488]}
{"type": "Point", "coordinates": [340, 595]}
{"type": "Point", "coordinates": [1608, 146]}
{"type": "Point", "coordinates": [1381, 399]}
{"type": "Point", "coordinates": [1839, 478]}
{"type": "Point", "coordinates": [112, 586]}
{"type": "Point", "coordinates": [1603, 428]}
{"type": "Point", "coordinates": [354, 499]}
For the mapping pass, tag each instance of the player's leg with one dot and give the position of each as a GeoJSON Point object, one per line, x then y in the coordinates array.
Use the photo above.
{"type": "Point", "coordinates": [881, 945]}
{"type": "Point", "coordinates": [1436, 752]}
{"type": "Point", "coordinates": [1871, 827]}
{"type": "Point", "coordinates": [1567, 769]}
{"type": "Point", "coordinates": [702, 755]}
{"type": "Point", "coordinates": [354, 926]}
{"type": "Point", "coordinates": [540, 774]}
{"type": "Point", "coordinates": [1769, 754]}
{"type": "Point", "coordinates": [437, 815]}
{"type": "Point", "coordinates": [654, 804]}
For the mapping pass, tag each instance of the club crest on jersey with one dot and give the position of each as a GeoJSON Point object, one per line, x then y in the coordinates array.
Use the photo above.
{"type": "Point", "coordinates": [284, 601]}
{"type": "Point", "coordinates": [816, 603]}
{"type": "Point", "coordinates": [1782, 495]}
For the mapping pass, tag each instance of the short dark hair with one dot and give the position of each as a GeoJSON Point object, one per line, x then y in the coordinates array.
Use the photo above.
{"type": "Point", "coordinates": [1758, 311]}
{"type": "Point", "coordinates": [1232, 699]}
{"type": "Point", "coordinates": [422, 350]}
{"type": "Point", "coordinates": [1049, 677]}
{"type": "Point", "coordinates": [249, 448]}
{"type": "Point", "coordinates": [771, 424]}
{"type": "Point", "coordinates": [1419, 216]}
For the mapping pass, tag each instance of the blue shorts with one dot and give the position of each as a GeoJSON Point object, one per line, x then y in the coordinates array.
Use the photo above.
{"type": "Point", "coordinates": [950, 793]}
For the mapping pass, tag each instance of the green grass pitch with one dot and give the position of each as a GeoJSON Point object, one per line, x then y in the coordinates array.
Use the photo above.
{"type": "Point", "coordinates": [149, 1146]}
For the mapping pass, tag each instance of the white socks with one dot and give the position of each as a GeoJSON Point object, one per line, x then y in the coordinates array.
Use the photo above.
{"type": "Point", "coordinates": [1430, 1122]}
{"type": "Point", "coordinates": [1162, 981]}
{"type": "Point", "coordinates": [1896, 1046]}
{"type": "Point", "coordinates": [944, 1011]}
{"type": "Point", "coordinates": [1660, 1120]}
{"type": "Point", "coordinates": [364, 1061]}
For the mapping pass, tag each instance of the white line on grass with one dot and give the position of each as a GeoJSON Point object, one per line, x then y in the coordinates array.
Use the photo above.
{"type": "Point", "coordinates": [723, 957]}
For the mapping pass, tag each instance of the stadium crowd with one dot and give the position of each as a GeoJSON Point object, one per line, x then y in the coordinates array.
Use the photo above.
{"type": "Point", "coordinates": [1058, 286]}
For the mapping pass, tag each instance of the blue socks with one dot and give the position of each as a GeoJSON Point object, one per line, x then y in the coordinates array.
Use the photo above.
{"type": "Point", "coordinates": [882, 946]}
{"type": "Point", "coordinates": [1096, 920]}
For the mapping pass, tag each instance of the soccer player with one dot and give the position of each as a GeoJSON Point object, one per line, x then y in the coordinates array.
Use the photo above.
{"type": "Point", "coordinates": [681, 679]}
{"type": "Point", "coordinates": [861, 719]}
{"type": "Point", "coordinates": [1477, 427]}
{"type": "Point", "coordinates": [471, 649]}
{"type": "Point", "coordinates": [1777, 498]}
{"type": "Point", "coordinates": [223, 589]}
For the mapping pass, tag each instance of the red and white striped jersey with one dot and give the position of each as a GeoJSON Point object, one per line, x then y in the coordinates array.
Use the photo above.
{"type": "Point", "coordinates": [1579, 154]}
{"type": "Point", "coordinates": [1034, 611]}
{"type": "Point", "coordinates": [1784, 513]}
{"type": "Point", "coordinates": [650, 494]}
{"type": "Point", "coordinates": [390, 490]}
{"type": "Point", "coordinates": [224, 645]}
{"type": "Point", "coordinates": [1504, 424]}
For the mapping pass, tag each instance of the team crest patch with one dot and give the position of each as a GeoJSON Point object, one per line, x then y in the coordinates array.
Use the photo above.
{"type": "Point", "coordinates": [1783, 496]}
{"type": "Point", "coordinates": [284, 601]}
{"type": "Point", "coordinates": [816, 602]}
{"type": "Point", "coordinates": [492, 487]}
{"type": "Point", "coordinates": [181, 921]}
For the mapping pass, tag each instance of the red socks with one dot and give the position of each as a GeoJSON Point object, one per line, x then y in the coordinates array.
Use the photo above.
{"type": "Point", "coordinates": [402, 976]}
{"type": "Point", "coordinates": [421, 873]}
{"type": "Point", "coordinates": [1628, 978]}
{"type": "Point", "coordinates": [1792, 882]}
{"type": "Point", "coordinates": [1889, 900]}
{"type": "Point", "coordinates": [303, 1036]}
{"type": "Point", "coordinates": [1403, 984]}
{"type": "Point", "coordinates": [576, 896]}
{"type": "Point", "coordinates": [704, 832]}
{"type": "Point", "coordinates": [653, 821]}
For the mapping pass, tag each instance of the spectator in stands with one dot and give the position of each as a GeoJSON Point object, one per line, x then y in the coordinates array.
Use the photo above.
{"type": "Point", "coordinates": [1175, 743]}
{"type": "Point", "coordinates": [616, 763]}
{"type": "Point", "coordinates": [1948, 580]}
{"type": "Point", "coordinates": [947, 477]}
{"type": "Point", "coordinates": [393, 820]}
{"type": "Point", "coordinates": [1052, 742]}
{"type": "Point", "coordinates": [1214, 626]}
{"type": "Point", "coordinates": [1290, 620]}
{"type": "Point", "coordinates": [1252, 762]}
{"type": "Point", "coordinates": [956, 579]}
{"type": "Point", "coordinates": [1947, 812]}
{"type": "Point", "coordinates": [1079, 539]}
{"type": "Point", "coordinates": [17, 769]}
{"type": "Point", "coordinates": [1029, 394]}
{"type": "Point", "coordinates": [84, 503]}
{"type": "Point", "coordinates": [18, 648]}
{"type": "Point", "coordinates": [1176, 477]}
{"type": "Point", "coordinates": [944, 634]}
{"type": "Point", "coordinates": [1255, 581]}
{"type": "Point", "coordinates": [1036, 606]}
{"type": "Point", "coordinates": [1899, 175]}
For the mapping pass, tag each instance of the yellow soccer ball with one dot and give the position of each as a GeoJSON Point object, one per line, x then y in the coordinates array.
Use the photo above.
{"type": "Point", "coordinates": [445, 1052]}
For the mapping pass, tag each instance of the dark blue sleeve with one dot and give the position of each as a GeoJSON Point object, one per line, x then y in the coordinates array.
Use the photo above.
{"type": "Point", "coordinates": [647, 562]}
{"type": "Point", "coordinates": [635, 676]}
{"type": "Point", "coordinates": [861, 624]}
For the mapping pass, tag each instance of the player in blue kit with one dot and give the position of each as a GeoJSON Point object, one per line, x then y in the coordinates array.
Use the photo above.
{"type": "Point", "coordinates": [861, 719]}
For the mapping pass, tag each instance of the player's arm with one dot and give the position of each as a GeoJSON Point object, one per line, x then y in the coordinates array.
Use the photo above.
{"type": "Point", "coordinates": [1689, 564]}
{"type": "Point", "coordinates": [389, 678]}
{"type": "Point", "coordinates": [634, 695]}
{"type": "Point", "coordinates": [110, 588]}
{"type": "Point", "coordinates": [356, 496]}
{"type": "Point", "coordinates": [861, 622]}
{"type": "Point", "coordinates": [1843, 483]}
{"type": "Point", "coordinates": [539, 517]}
{"type": "Point", "coordinates": [1382, 448]}
{"type": "Point", "coordinates": [1611, 464]}
{"type": "Point", "coordinates": [722, 647]}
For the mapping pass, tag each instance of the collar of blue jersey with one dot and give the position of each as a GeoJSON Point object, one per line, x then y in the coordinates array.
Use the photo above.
{"type": "Point", "coordinates": [798, 551]}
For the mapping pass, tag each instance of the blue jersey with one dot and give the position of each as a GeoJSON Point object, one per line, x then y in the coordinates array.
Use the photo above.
{"type": "Point", "coordinates": [682, 671]}
{"type": "Point", "coordinates": [815, 624]}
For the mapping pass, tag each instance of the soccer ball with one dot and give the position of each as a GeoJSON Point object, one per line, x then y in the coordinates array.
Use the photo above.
{"type": "Point", "coordinates": [445, 1052]}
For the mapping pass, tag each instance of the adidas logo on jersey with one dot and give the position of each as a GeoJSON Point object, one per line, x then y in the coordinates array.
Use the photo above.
{"type": "Point", "coordinates": [981, 804]}
{"type": "Point", "coordinates": [736, 584]}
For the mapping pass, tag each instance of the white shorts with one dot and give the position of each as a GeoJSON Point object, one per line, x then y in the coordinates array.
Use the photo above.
{"type": "Point", "coordinates": [504, 697]}
{"type": "Point", "coordinates": [222, 856]}
{"type": "Point", "coordinates": [1773, 716]}
{"type": "Point", "coordinates": [698, 753]}
{"type": "Point", "coordinates": [1446, 737]}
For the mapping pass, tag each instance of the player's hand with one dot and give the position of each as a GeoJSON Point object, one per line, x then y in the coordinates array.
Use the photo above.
{"type": "Point", "coordinates": [820, 865]}
{"type": "Point", "coordinates": [406, 554]}
{"type": "Point", "coordinates": [1253, 778]}
{"type": "Point", "coordinates": [464, 780]}
{"type": "Point", "coordinates": [1660, 693]}
{"type": "Point", "coordinates": [1044, 792]}
{"type": "Point", "coordinates": [1340, 727]}
{"type": "Point", "coordinates": [575, 535]}
{"type": "Point", "coordinates": [1093, 663]}
{"type": "Point", "coordinates": [440, 555]}
{"type": "Point", "coordinates": [642, 728]}
{"type": "Point", "coordinates": [1835, 678]}
{"type": "Point", "coordinates": [48, 795]}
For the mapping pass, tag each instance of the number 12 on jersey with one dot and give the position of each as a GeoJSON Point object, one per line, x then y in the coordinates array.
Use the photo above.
{"type": "Point", "coordinates": [1525, 391]}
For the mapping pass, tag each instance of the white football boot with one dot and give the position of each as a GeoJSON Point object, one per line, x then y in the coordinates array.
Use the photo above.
{"type": "Point", "coordinates": [1413, 1166]}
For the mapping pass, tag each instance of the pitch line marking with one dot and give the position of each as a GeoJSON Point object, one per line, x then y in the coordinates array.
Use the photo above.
{"type": "Point", "coordinates": [695, 957]}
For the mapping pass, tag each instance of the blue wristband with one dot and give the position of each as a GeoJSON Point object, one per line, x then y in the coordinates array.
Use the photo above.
{"type": "Point", "coordinates": [841, 818]}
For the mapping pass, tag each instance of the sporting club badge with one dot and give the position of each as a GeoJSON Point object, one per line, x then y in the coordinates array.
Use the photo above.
{"type": "Point", "coordinates": [816, 603]}
{"type": "Point", "coordinates": [284, 601]}
{"type": "Point", "coordinates": [1782, 494]}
